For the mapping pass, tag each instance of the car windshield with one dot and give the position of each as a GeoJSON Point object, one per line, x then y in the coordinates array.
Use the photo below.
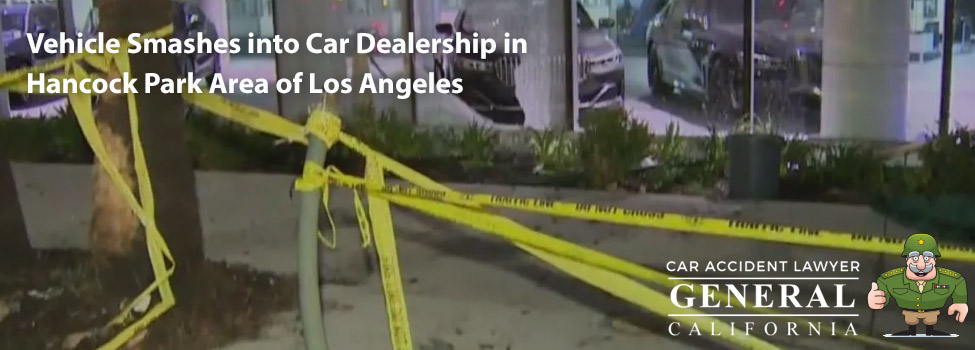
{"type": "Point", "coordinates": [13, 21]}
{"type": "Point", "coordinates": [494, 17]}
{"type": "Point", "coordinates": [518, 17]}
{"type": "Point", "coordinates": [807, 12]}
{"type": "Point", "coordinates": [585, 22]}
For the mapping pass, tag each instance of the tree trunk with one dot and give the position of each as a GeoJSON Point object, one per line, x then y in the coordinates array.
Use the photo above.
{"type": "Point", "coordinates": [14, 246]}
{"type": "Point", "coordinates": [118, 246]}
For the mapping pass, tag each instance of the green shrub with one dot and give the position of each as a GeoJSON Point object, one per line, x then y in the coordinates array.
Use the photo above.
{"type": "Point", "coordinates": [388, 133]}
{"type": "Point", "coordinates": [611, 145]}
{"type": "Point", "coordinates": [948, 164]}
{"type": "Point", "coordinates": [802, 162]}
{"type": "Point", "coordinates": [853, 167]}
{"type": "Point", "coordinates": [715, 156]}
{"type": "Point", "coordinates": [218, 144]}
{"type": "Point", "coordinates": [672, 148]}
{"type": "Point", "coordinates": [674, 166]}
{"type": "Point", "coordinates": [475, 146]}
{"type": "Point", "coordinates": [554, 152]}
{"type": "Point", "coordinates": [938, 197]}
{"type": "Point", "coordinates": [45, 139]}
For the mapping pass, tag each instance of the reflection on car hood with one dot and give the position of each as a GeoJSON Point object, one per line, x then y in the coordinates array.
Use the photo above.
{"type": "Point", "coordinates": [595, 43]}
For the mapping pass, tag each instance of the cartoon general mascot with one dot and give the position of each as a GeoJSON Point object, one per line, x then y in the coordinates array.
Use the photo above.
{"type": "Point", "coordinates": [921, 288]}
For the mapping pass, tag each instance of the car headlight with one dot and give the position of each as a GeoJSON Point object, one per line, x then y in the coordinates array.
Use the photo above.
{"type": "Point", "coordinates": [763, 61]}
{"type": "Point", "coordinates": [606, 63]}
{"type": "Point", "coordinates": [758, 57]}
{"type": "Point", "coordinates": [471, 64]}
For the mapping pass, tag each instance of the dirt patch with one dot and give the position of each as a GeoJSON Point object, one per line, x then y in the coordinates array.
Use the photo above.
{"type": "Point", "coordinates": [55, 304]}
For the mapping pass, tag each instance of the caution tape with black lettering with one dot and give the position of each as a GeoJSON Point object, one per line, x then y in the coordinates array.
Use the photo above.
{"type": "Point", "coordinates": [668, 221]}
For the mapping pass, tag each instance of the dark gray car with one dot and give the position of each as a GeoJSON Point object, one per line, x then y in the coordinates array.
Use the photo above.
{"type": "Point", "coordinates": [695, 49]}
{"type": "Point", "coordinates": [18, 21]}
{"type": "Point", "coordinates": [489, 85]}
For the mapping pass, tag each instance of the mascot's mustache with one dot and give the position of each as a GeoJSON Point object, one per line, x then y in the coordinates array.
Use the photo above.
{"type": "Point", "coordinates": [918, 271]}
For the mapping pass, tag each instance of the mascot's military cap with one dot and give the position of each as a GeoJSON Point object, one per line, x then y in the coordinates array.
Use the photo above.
{"type": "Point", "coordinates": [921, 243]}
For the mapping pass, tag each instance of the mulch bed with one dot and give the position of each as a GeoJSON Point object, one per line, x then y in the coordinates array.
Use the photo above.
{"type": "Point", "coordinates": [56, 303]}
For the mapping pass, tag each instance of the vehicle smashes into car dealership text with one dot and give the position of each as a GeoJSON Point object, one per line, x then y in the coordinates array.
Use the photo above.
{"type": "Point", "coordinates": [814, 294]}
{"type": "Point", "coordinates": [364, 43]}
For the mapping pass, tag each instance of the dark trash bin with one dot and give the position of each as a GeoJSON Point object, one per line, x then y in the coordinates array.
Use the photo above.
{"type": "Point", "coordinates": [754, 163]}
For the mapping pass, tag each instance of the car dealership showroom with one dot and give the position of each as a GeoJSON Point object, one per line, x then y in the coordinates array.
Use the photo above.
{"type": "Point", "coordinates": [886, 70]}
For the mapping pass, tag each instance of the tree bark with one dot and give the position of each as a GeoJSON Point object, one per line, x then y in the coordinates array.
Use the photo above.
{"type": "Point", "coordinates": [118, 246]}
{"type": "Point", "coordinates": [15, 247]}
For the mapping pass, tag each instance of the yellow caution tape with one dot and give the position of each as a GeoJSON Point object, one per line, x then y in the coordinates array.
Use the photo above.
{"type": "Point", "coordinates": [252, 117]}
{"type": "Point", "coordinates": [668, 221]}
{"type": "Point", "coordinates": [99, 63]}
{"type": "Point", "coordinates": [572, 254]}
{"type": "Point", "coordinates": [21, 86]}
{"type": "Point", "coordinates": [325, 126]}
{"type": "Point", "coordinates": [382, 224]}
{"type": "Point", "coordinates": [539, 244]}
{"type": "Point", "coordinates": [143, 207]}
{"type": "Point", "coordinates": [102, 63]}
{"type": "Point", "coordinates": [431, 189]}
{"type": "Point", "coordinates": [434, 190]}
{"type": "Point", "coordinates": [315, 177]}
{"type": "Point", "coordinates": [596, 268]}
{"type": "Point", "coordinates": [649, 299]}
{"type": "Point", "coordinates": [365, 229]}
{"type": "Point", "coordinates": [19, 76]}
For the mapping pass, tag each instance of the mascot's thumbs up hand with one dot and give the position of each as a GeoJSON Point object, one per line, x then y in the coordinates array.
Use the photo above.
{"type": "Point", "coordinates": [876, 298]}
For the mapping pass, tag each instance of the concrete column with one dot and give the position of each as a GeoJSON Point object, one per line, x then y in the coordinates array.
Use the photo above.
{"type": "Point", "coordinates": [558, 17]}
{"type": "Point", "coordinates": [424, 26]}
{"type": "Point", "coordinates": [866, 49]}
{"type": "Point", "coordinates": [67, 13]}
{"type": "Point", "coordinates": [298, 20]}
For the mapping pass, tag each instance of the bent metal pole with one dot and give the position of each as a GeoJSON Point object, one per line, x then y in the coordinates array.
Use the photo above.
{"type": "Point", "coordinates": [309, 293]}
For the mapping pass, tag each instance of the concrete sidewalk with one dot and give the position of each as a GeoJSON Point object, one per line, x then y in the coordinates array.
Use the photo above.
{"type": "Point", "coordinates": [474, 291]}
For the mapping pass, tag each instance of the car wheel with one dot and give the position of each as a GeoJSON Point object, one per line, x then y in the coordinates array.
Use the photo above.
{"type": "Point", "coordinates": [215, 71]}
{"type": "Point", "coordinates": [439, 70]}
{"type": "Point", "coordinates": [18, 100]}
{"type": "Point", "coordinates": [723, 100]}
{"type": "Point", "coordinates": [185, 65]}
{"type": "Point", "coordinates": [654, 74]}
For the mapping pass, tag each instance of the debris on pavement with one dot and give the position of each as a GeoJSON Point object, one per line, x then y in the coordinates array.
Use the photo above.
{"type": "Point", "coordinates": [46, 294]}
{"type": "Point", "coordinates": [8, 307]}
{"type": "Point", "coordinates": [72, 341]}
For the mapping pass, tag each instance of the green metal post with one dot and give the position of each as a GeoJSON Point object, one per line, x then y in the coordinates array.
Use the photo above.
{"type": "Point", "coordinates": [309, 293]}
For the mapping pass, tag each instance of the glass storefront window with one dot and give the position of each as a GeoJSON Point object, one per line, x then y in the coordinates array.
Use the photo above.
{"type": "Point", "coordinates": [963, 67]}
{"type": "Point", "coordinates": [683, 65]}
{"type": "Point", "coordinates": [667, 61]}
{"type": "Point", "coordinates": [250, 16]}
{"type": "Point", "coordinates": [21, 19]}
{"type": "Point", "coordinates": [505, 91]}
